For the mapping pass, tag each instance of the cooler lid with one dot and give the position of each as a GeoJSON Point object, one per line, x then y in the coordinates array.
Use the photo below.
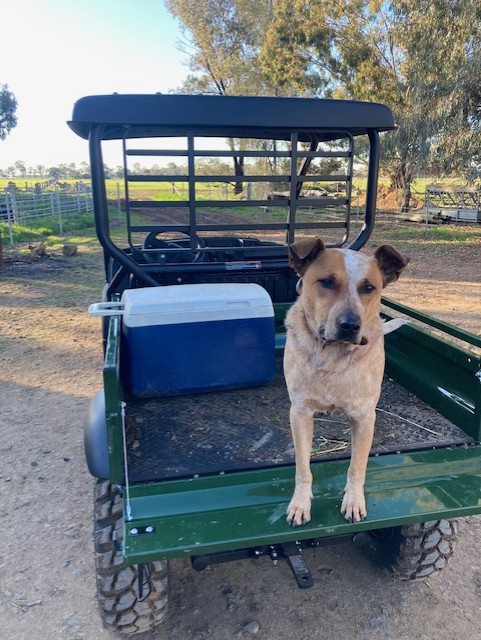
{"type": "Point", "coordinates": [195, 303]}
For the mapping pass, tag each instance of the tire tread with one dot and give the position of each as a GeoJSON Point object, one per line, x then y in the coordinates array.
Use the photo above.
{"type": "Point", "coordinates": [117, 592]}
{"type": "Point", "coordinates": [426, 547]}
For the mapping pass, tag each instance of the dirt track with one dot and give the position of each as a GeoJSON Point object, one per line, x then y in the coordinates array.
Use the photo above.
{"type": "Point", "coordinates": [50, 359]}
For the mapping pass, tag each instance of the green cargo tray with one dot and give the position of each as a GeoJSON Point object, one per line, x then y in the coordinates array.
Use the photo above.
{"type": "Point", "coordinates": [247, 508]}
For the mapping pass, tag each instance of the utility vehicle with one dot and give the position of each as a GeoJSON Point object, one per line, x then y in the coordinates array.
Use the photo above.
{"type": "Point", "coordinates": [189, 438]}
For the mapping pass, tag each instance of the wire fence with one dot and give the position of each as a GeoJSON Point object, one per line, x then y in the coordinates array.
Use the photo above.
{"type": "Point", "coordinates": [27, 206]}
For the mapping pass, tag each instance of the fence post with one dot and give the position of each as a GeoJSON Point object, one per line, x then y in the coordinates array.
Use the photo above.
{"type": "Point", "coordinates": [10, 215]}
{"type": "Point", "coordinates": [119, 207]}
{"type": "Point", "coordinates": [14, 208]}
{"type": "Point", "coordinates": [56, 208]}
{"type": "Point", "coordinates": [426, 205]}
{"type": "Point", "coordinates": [53, 211]}
{"type": "Point", "coordinates": [59, 208]}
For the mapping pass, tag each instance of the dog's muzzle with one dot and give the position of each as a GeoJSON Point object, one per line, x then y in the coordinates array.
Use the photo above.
{"type": "Point", "coordinates": [348, 327]}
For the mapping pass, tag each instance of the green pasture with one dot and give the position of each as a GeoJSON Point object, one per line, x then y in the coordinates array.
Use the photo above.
{"type": "Point", "coordinates": [76, 229]}
{"type": "Point", "coordinates": [46, 229]}
{"type": "Point", "coordinates": [165, 190]}
{"type": "Point", "coordinates": [178, 190]}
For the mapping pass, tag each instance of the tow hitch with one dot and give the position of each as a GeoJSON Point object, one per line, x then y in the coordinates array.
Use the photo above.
{"type": "Point", "coordinates": [290, 551]}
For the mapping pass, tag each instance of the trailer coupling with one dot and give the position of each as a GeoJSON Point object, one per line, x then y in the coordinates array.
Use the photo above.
{"type": "Point", "coordinates": [292, 552]}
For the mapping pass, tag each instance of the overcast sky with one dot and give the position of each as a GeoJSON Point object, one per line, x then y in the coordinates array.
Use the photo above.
{"type": "Point", "coordinates": [57, 51]}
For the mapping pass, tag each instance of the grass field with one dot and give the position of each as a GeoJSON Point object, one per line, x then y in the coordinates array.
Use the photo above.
{"type": "Point", "coordinates": [165, 191]}
{"type": "Point", "coordinates": [48, 228]}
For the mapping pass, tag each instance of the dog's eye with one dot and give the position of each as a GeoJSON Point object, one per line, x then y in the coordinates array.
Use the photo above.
{"type": "Point", "coordinates": [327, 283]}
{"type": "Point", "coordinates": [367, 287]}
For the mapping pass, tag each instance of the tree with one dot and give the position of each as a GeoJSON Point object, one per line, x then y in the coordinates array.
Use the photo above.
{"type": "Point", "coordinates": [55, 173]}
{"type": "Point", "coordinates": [20, 168]}
{"type": "Point", "coordinates": [223, 39]}
{"type": "Point", "coordinates": [423, 59]}
{"type": "Point", "coordinates": [84, 170]}
{"type": "Point", "coordinates": [446, 78]}
{"type": "Point", "coordinates": [8, 107]}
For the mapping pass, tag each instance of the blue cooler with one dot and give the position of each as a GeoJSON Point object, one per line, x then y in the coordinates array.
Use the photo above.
{"type": "Point", "coordinates": [195, 338]}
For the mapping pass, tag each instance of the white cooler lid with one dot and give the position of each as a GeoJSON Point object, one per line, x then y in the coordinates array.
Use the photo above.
{"type": "Point", "coordinates": [177, 304]}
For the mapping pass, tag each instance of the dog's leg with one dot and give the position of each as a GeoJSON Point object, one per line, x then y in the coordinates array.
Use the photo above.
{"type": "Point", "coordinates": [362, 430]}
{"type": "Point", "coordinates": [302, 426]}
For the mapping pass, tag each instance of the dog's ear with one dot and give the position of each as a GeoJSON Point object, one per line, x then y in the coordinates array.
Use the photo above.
{"type": "Point", "coordinates": [303, 252]}
{"type": "Point", "coordinates": [390, 263]}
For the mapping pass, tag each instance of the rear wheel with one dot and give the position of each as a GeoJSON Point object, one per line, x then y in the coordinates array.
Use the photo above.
{"type": "Point", "coordinates": [414, 551]}
{"type": "Point", "coordinates": [121, 607]}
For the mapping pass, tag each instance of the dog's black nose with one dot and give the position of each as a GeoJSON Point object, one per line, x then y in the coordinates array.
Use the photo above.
{"type": "Point", "coordinates": [348, 325]}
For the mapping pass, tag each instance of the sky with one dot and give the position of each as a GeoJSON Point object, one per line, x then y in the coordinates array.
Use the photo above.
{"type": "Point", "coordinates": [57, 51]}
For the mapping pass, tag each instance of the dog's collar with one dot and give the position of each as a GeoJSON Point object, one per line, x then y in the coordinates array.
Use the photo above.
{"type": "Point", "coordinates": [299, 286]}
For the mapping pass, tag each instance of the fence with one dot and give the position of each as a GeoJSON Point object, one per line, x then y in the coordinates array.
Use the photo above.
{"type": "Point", "coordinates": [449, 203]}
{"type": "Point", "coordinates": [19, 206]}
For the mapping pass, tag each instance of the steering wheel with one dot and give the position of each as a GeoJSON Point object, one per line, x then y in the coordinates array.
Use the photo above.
{"type": "Point", "coordinates": [154, 241]}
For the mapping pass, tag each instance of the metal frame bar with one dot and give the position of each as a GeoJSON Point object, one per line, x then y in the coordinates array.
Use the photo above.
{"type": "Point", "coordinates": [278, 202]}
{"type": "Point", "coordinates": [294, 202]}
{"type": "Point", "coordinates": [200, 153]}
{"type": "Point", "coordinates": [215, 178]}
{"type": "Point", "coordinates": [294, 189]}
{"type": "Point", "coordinates": [101, 208]}
{"type": "Point", "coordinates": [371, 194]}
{"type": "Point", "coordinates": [192, 194]}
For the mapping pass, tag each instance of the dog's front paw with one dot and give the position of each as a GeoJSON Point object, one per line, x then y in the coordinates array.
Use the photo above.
{"type": "Point", "coordinates": [299, 509]}
{"type": "Point", "coordinates": [353, 506]}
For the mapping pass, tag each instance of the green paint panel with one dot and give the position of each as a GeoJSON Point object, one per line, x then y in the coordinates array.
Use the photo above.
{"type": "Point", "coordinates": [450, 329]}
{"type": "Point", "coordinates": [245, 509]}
{"type": "Point", "coordinates": [442, 375]}
{"type": "Point", "coordinates": [113, 397]}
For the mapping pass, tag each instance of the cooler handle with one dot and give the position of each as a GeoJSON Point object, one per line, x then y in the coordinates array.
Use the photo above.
{"type": "Point", "coordinates": [106, 309]}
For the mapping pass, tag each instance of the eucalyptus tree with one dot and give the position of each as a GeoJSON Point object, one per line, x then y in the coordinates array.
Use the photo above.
{"type": "Point", "coordinates": [20, 168]}
{"type": "Point", "coordinates": [8, 108]}
{"type": "Point", "coordinates": [422, 59]}
{"type": "Point", "coordinates": [223, 39]}
{"type": "Point", "coordinates": [443, 67]}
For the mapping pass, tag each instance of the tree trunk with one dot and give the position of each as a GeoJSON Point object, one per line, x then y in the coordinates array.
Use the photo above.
{"type": "Point", "coordinates": [239, 171]}
{"type": "Point", "coordinates": [401, 179]}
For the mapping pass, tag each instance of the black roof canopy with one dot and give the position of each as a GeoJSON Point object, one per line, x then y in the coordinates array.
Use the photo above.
{"type": "Point", "coordinates": [224, 116]}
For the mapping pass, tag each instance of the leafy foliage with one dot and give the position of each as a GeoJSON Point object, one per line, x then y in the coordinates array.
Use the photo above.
{"type": "Point", "coordinates": [423, 59]}
{"type": "Point", "coordinates": [8, 107]}
{"type": "Point", "coordinates": [222, 39]}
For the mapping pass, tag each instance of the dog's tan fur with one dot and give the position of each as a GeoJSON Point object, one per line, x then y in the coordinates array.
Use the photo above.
{"type": "Point", "coordinates": [329, 363]}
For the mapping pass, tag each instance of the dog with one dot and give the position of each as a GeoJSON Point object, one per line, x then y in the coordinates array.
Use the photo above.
{"type": "Point", "coordinates": [334, 357]}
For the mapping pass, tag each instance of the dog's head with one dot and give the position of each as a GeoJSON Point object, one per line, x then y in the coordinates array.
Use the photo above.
{"type": "Point", "coordinates": [341, 288]}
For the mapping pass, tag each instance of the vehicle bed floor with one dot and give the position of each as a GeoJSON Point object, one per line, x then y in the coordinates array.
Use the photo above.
{"type": "Point", "coordinates": [249, 428]}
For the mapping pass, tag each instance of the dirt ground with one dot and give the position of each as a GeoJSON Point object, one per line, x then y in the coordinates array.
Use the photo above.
{"type": "Point", "coordinates": [50, 363]}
